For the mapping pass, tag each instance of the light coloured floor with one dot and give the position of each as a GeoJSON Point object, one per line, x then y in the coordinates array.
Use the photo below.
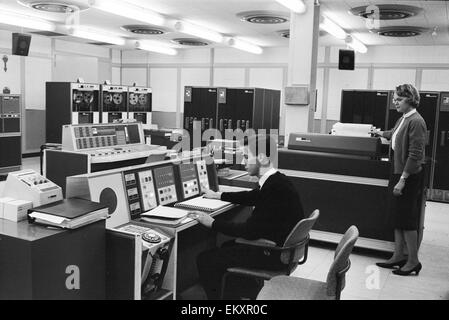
{"type": "Point", "coordinates": [364, 280]}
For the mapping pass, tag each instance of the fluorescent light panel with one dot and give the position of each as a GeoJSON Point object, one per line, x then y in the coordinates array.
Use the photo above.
{"type": "Point", "coordinates": [128, 10]}
{"type": "Point", "coordinates": [97, 35]}
{"type": "Point", "coordinates": [245, 46]}
{"type": "Point", "coordinates": [198, 31]}
{"type": "Point", "coordinates": [20, 20]}
{"type": "Point", "coordinates": [154, 46]}
{"type": "Point", "coordinates": [294, 5]}
{"type": "Point", "coordinates": [334, 29]}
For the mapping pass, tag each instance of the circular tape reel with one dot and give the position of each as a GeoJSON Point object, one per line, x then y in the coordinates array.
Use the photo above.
{"type": "Point", "coordinates": [133, 99]}
{"type": "Point", "coordinates": [117, 98]}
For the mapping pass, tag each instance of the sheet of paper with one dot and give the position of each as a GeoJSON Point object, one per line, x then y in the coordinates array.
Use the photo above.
{"type": "Point", "coordinates": [166, 212]}
{"type": "Point", "coordinates": [47, 217]}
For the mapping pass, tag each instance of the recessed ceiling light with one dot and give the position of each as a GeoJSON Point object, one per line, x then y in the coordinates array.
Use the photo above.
{"type": "Point", "coordinates": [190, 42]}
{"type": "Point", "coordinates": [66, 7]}
{"type": "Point", "coordinates": [386, 11]}
{"type": "Point", "coordinates": [263, 17]}
{"type": "Point", "coordinates": [143, 29]}
{"type": "Point", "coordinates": [401, 31]}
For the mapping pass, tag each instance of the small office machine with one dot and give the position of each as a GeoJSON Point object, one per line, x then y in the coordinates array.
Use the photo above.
{"type": "Point", "coordinates": [96, 147]}
{"type": "Point", "coordinates": [31, 186]}
{"type": "Point", "coordinates": [347, 180]}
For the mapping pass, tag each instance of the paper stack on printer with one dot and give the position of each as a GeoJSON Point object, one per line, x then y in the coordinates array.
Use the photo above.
{"type": "Point", "coordinates": [68, 213]}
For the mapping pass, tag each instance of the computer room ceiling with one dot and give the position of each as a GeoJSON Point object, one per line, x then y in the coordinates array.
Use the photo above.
{"type": "Point", "coordinates": [428, 21]}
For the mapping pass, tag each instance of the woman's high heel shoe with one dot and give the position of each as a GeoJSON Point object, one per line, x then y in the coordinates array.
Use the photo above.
{"type": "Point", "coordinates": [401, 272]}
{"type": "Point", "coordinates": [392, 265]}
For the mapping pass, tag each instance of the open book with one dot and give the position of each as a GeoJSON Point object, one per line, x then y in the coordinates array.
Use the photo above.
{"type": "Point", "coordinates": [165, 215]}
{"type": "Point", "coordinates": [203, 204]}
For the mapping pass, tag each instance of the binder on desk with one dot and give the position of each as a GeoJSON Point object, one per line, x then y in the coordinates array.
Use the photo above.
{"type": "Point", "coordinates": [203, 204]}
{"type": "Point", "coordinates": [68, 213]}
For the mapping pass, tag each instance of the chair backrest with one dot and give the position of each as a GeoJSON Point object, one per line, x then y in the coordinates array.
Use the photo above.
{"type": "Point", "coordinates": [301, 230]}
{"type": "Point", "coordinates": [336, 275]}
{"type": "Point", "coordinates": [299, 234]}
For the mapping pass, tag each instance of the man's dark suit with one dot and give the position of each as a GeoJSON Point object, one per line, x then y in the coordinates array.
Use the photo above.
{"type": "Point", "coordinates": [277, 209]}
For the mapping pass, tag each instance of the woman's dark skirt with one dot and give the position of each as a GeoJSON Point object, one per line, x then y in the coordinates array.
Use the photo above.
{"type": "Point", "coordinates": [405, 208]}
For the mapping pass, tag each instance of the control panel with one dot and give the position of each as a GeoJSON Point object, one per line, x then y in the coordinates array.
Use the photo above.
{"type": "Point", "coordinates": [132, 194]}
{"type": "Point", "coordinates": [165, 185]}
{"type": "Point", "coordinates": [149, 200]}
{"type": "Point", "coordinates": [202, 175]}
{"type": "Point", "coordinates": [189, 180]}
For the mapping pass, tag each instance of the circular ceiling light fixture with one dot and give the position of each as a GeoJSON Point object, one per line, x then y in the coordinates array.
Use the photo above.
{"type": "Point", "coordinates": [401, 31]}
{"type": "Point", "coordinates": [66, 7]}
{"type": "Point", "coordinates": [143, 29]}
{"type": "Point", "coordinates": [263, 17]}
{"type": "Point", "coordinates": [190, 42]}
{"type": "Point", "coordinates": [386, 11]}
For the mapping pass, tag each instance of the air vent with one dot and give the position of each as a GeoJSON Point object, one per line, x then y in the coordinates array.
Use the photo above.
{"type": "Point", "coordinates": [387, 11]}
{"type": "Point", "coordinates": [143, 29]}
{"type": "Point", "coordinates": [48, 34]}
{"type": "Point", "coordinates": [53, 6]}
{"type": "Point", "coordinates": [401, 31]}
{"type": "Point", "coordinates": [263, 17]}
{"type": "Point", "coordinates": [190, 42]}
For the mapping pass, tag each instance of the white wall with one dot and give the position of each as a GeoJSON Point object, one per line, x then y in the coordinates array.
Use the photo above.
{"type": "Point", "coordinates": [38, 71]}
{"type": "Point", "coordinates": [51, 60]}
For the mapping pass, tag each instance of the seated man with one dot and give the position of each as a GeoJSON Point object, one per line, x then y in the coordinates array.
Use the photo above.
{"type": "Point", "coordinates": [277, 209]}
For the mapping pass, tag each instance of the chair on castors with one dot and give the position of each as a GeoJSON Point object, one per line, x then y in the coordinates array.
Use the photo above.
{"type": "Point", "coordinates": [294, 288]}
{"type": "Point", "coordinates": [293, 253]}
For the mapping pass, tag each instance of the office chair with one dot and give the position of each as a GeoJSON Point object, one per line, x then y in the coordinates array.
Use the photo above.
{"type": "Point", "coordinates": [295, 247]}
{"type": "Point", "coordinates": [293, 288]}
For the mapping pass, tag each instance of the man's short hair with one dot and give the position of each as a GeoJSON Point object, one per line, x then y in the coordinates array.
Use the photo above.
{"type": "Point", "coordinates": [262, 143]}
{"type": "Point", "coordinates": [410, 92]}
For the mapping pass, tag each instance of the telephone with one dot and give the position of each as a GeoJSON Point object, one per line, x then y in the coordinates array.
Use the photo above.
{"type": "Point", "coordinates": [155, 255]}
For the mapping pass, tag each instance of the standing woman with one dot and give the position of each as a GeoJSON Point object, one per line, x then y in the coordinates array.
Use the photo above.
{"type": "Point", "coordinates": [408, 140]}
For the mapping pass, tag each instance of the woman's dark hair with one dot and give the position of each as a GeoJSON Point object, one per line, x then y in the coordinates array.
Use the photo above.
{"type": "Point", "coordinates": [410, 92]}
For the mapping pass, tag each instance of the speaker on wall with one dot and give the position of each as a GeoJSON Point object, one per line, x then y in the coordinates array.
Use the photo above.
{"type": "Point", "coordinates": [346, 60]}
{"type": "Point", "coordinates": [21, 44]}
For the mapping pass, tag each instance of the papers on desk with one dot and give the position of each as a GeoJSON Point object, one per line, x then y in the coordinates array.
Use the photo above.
{"type": "Point", "coordinates": [165, 215]}
{"type": "Point", "coordinates": [203, 204]}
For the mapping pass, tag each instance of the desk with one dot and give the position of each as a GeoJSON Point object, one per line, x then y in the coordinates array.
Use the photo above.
{"type": "Point", "coordinates": [35, 261]}
{"type": "Point", "coordinates": [190, 239]}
